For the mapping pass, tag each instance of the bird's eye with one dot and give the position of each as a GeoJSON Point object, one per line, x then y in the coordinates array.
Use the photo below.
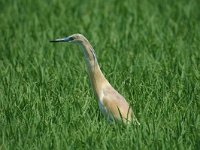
{"type": "Point", "coordinates": [71, 38]}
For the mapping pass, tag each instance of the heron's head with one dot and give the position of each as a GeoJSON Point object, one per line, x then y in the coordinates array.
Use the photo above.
{"type": "Point", "coordinates": [75, 38]}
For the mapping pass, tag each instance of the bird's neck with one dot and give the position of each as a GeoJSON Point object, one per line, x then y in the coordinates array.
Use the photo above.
{"type": "Point", "coordinates": [97, 78]}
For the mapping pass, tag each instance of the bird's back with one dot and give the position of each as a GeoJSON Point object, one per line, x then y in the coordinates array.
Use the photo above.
{"type": "Point", "coordinates": [114, 105]}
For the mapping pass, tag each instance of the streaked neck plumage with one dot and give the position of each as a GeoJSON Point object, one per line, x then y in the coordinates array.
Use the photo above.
{"type": "Point", "coordinates": [96, 76]}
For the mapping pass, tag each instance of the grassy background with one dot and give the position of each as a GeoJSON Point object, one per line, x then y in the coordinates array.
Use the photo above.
{"type": "Point", "coordinates": [149, 51]}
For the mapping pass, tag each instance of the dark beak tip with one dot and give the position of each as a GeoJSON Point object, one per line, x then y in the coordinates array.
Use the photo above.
{"type": "Point", "coordinates": [66, 39]}
{"type": "Point", "coordinates": [52, 41]}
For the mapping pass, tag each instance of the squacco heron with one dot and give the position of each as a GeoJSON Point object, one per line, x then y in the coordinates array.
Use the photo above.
{"type": "Point", "coordinates": [111, 103]}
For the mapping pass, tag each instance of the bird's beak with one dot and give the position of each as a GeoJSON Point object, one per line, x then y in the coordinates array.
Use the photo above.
{"type": "Point", "coordinates": [65, 39]}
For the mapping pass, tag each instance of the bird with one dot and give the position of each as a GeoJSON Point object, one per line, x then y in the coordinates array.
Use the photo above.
{"type": "Point", "coordinates": [112, 104]}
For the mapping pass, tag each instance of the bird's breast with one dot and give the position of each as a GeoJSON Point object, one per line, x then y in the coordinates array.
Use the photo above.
{"type": "Point", "coordinates": [104, 111]}
{"type": "Point", "coordinates": [102, 108]}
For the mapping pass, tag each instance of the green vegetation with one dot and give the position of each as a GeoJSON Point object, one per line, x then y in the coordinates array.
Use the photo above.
{"type": "Point", "coordinates": [149, 51]}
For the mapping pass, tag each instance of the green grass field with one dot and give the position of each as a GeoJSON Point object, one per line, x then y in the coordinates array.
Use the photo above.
{"type": "Point", "coordinates": [149, 51]}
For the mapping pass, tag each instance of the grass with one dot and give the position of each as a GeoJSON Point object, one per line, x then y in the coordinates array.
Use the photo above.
{"type": "Point", "coordinates": [148, 50]}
